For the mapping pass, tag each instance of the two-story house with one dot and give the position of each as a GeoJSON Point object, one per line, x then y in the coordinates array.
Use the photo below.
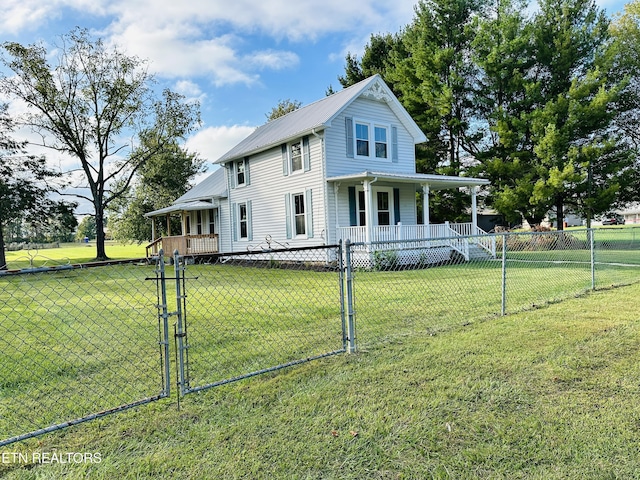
{"type": "Point", "coordinates": [340, 168]}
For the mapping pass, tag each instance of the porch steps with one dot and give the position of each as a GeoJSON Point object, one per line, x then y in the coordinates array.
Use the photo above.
{"type": "Point", "coordinates": [478, 253]}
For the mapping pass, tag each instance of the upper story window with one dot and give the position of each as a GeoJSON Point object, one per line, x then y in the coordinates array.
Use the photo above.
{"type": "Point", "coordinates": [296, 156]}
{"type": "Point", "coordinates": [240, 176]}
{"type": "Point", "coordinates": [371, 140]}
{"type": "Point", "coordinates": [362, 139]}
{"type": "Point", "coordinates": [295, 153]}
{"type": "Point", "coordinates": [381, 141]}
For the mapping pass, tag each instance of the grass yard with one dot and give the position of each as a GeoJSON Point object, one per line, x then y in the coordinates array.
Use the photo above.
{"type": "Point", "coordinates": [547, 393]}
{"type": "Point", "coordinates": [72, 253]}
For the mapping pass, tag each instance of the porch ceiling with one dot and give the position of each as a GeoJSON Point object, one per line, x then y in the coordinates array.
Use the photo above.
{"type": "Point", "coordinates": [435, 182]}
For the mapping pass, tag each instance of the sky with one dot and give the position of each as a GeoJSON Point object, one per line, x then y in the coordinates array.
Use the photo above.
{"type": "Point", "coordinates": [239, 58]}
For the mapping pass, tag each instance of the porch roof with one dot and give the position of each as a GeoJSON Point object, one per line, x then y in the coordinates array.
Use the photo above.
{"type": "Point", "coordinates": [435, 182]}
{"type": "Point", "coordinates": [182, 207]}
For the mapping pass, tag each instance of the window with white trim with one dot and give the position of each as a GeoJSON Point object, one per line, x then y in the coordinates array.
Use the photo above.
{"type": "Point", "coordinates": [239, 172]}
{"type": "Point", "coordinates": [381, 141]}
{"type": "Point", "coordinates": [295, 156]}
{"type": "Point", "coordinates": [299, 216]}
{"type": "Point", "coordinates": [243, 221]}
{"type": "Point", "coordinates": [362, 139]}
{"type": "Point", "coordinates": [372, 140]}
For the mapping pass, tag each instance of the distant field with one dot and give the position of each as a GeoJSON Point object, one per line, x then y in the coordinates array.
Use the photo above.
{"type": "Point", "coordinates": [71, 253]}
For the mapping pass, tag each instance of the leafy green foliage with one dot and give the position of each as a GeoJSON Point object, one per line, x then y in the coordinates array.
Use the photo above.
{"type": "Point", "coordinates": [24, 184]}
{"type": "Point", "coordinates": [530, 102]}
{"type": "Point", "coordinates": [96, 100]}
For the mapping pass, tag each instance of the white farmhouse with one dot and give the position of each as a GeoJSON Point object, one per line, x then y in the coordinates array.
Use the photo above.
{"type": "Point", "coordinates": [340, 168]}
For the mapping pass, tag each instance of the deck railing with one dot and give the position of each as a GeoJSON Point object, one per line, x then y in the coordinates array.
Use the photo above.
{"type": "Point", "coordinates": [189, 244]}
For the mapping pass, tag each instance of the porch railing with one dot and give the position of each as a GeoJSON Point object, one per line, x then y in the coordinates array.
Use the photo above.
{"type": "Point", "coordinates": [443, 235]}
{"type": "Point", "coordinates": [190, 244]}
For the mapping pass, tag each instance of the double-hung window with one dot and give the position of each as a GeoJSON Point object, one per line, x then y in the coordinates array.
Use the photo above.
{"type": "Point", "coordinates": [381, 141]}
{"type": "Point", "coordinates": [371, 140]}
{"type": "Point", "coordinates": [362, 139]}
{"type": "Point", "coordinates": [240, 175]}
{"type": "Point", "coordinates": [299, 214]}
{"type": "Point", "coordinates": [243, 221]}
{"type": "Point", "coordinates": [299, 218]}
{"type": "Point", "coordinates": [295, 153]}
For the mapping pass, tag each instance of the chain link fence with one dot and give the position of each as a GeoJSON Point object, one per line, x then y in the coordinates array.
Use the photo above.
{"type": "Point", "coordinates": [427, 286]}
{"type": "Point", "coordinates": [248, 313]}
{"type": "Point", "coordinates": [78, 344]}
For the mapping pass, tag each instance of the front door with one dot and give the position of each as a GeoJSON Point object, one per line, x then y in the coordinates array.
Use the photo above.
{"type": "Point", "coordinates": [382, 207]}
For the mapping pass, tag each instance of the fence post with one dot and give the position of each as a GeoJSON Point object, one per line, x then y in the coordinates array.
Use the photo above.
{"type": "Point", "coordinates": [180, 334]}
{"type": "Point", "coordinates": [351, 325]}
{"type": "Point", "coordinates": [164, 339]}
{"type": "Point", "coordinates": [341, 282]}
{"type": "Point", "coordinates": [591, 233]}
{"type": "Point", "coordinates": [504, 274]}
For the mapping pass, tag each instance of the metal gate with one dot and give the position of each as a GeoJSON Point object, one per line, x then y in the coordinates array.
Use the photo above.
{"type": "Point", "coordinates": [82, 343]}
{"type": "Point", "coordinates": [245, 314]}
{"type": "Point", "coordinates": [78, 344]}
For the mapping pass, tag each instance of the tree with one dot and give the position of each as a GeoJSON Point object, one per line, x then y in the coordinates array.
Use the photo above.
{"type": "Point", "coordinates": [24, 182]}
{"type": "Point", "coordinates": [86, 228]}
{"type": "Point", "coordinates": [88, 105]}
{"type": "Point", "coordinates": [163, 178]}
{"type": "Point", "coordinates": [283, 107]}
{"type": "Point", "coordinates": [376, 58]}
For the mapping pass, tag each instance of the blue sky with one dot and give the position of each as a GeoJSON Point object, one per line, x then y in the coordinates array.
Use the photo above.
{"type": "Point", "coordinates": [237, 57]}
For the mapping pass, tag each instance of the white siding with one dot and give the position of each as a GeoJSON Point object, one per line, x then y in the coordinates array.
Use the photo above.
{"type": "Point", "coordinates": [337, 161]}
{"type": "Point", "coordinates": [267, 189]}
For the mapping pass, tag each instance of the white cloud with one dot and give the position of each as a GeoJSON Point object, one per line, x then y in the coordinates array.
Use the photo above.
{"type": "Point", "coordinates": [211, 143]}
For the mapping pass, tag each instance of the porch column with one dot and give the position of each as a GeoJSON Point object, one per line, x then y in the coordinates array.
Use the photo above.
{"type": "Point", "coordinates": [368, 207]}
{"type": "Point", "coordinates": [153, 228]}
{"type": "Point", "coordinates": [169, 227]}
{"type": "Point", "coordinates": [474, 210]}
{"type": "Point", "coordinates": [425, 209]}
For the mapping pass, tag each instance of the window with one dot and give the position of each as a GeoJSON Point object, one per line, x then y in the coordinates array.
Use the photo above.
{"type": "Point", "coordinates": [296, 156]}
{"type": "Point", "coordinates": [381, 142]}
{"type": "Point", "coordinates": [362, 213]}
{"type": "Point", "coordinates": [199, 222]}
{"type": "Point", "coordinates": [384, 213]}
{"type": "Point", "coordinates": [212, 219]}
{"type": "Point", "coordinates": [362, 139]}
{"type": "Point", "coordinates": [298, 214]}
{"type": "Point", "coordinates": [240, 172]}
{"type": "Point", "coordinates": [243, 222]}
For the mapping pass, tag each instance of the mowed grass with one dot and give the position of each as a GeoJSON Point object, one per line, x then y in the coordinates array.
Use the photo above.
{"type": "Point", "coordinates": [547, 393]}
{"type": "Point", "coordinates": [72, 253]}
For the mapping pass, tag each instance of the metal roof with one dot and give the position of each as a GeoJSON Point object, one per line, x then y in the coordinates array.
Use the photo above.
{"type": "Point", "coordinates": [215, 185]}
{"type": "Point", "coordinates": [435, 182]}
{"type": "Point", "coordinates": [317, 116]}
{"type": "Point", "coordinates": [202, 196]}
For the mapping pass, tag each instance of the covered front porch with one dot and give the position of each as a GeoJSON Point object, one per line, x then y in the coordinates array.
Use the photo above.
{"type": "Point", "coordinates": [383, 215]}
{"type": "Point", "coordinates": [198, 220]}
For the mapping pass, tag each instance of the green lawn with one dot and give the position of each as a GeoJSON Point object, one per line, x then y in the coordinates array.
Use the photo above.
{"type": "Point", "coordinates": [442, 386]}
{"type": "Point", "coordinates": [548, 393]}
{"type": "Point", "coordinates": [71, 253]}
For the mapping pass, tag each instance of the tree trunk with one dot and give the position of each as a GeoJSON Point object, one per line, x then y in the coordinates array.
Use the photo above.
{"type": "Point", "coordinates": [3, 258]}
{"type": "Point", "coordinates": [559, 213]}
{"type": "Point", "coordinates": [101, 253]}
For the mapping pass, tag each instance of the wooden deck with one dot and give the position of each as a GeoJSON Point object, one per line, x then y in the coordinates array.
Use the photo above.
{"type": "Point", "coordinates": [185, 244]}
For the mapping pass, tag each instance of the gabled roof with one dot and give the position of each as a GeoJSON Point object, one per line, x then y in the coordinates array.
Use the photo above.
{"type": "Point", "coordinates": [318, 116]}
